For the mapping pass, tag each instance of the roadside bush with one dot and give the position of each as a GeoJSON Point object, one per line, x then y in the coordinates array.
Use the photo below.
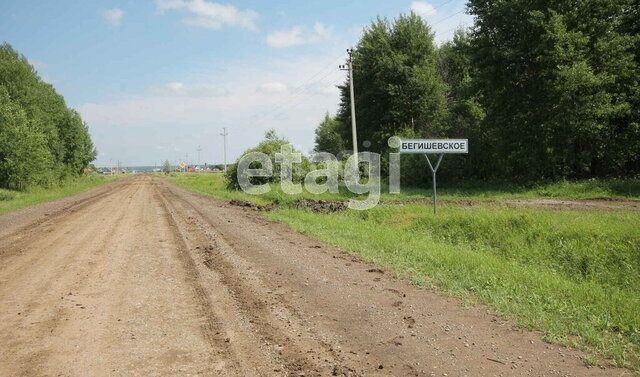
{"type": "Point", "coordinates": [270, 146]}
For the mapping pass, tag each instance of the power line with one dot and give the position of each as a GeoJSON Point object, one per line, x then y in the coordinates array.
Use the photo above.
{"type": "Point", "coordinates": [441, 5]}
{"type": "Point", "coordinates": [454, 29]}
{"type": "Point", "coordinates": [277, 109]}
{"type": "Point", "coordinates": [294, 103]}
{"type": "Point", "coordinates": [297, 91]}
{"type": "Point", "coordinates": [297, 103]}
{"type": "Point", "coordinates": [448, 17]}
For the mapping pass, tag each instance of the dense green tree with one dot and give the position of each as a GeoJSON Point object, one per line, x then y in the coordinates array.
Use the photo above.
{"type": "Point", "coordinates": [24, 155]}
{"type": "Point", "coordinates": [559, 85]}
{"type": "Point", "coordinates": [465, 113]}
{"type": "Point", "coordinates": [79, 150]}
{"type": "Point", "coordinates": [328, 138]}
{"type": "Point", "coordinates": [38, 112]}
{"type": "Point", "coordinates": [396, 82]}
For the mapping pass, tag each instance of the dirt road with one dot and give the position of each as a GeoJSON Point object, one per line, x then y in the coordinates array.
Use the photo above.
{"type": "Point", "coordinates": [140, 278]}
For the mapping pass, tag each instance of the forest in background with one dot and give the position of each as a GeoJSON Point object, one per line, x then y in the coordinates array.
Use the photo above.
{"type": "Point", "coordinates": [543, 90]}
{"type": "Point", "coordinates": [42, 141]}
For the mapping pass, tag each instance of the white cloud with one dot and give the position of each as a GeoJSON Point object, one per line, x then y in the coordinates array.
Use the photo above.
{"type": "Point", "coordinates": [423, 9]}
{"type": "Point", "coordinates": [113, 16]}
{"type": "Point", "coordinates": [175, 86]}
{"type": "Point", "coordinates": [321, 31]}
{"type": "Point", "coordinates": [298, 35]}
{"type": "Point", "coordinates": [211, 15]}
{"type": "Point", "coordinates": [175, 114]}
{"type": "Point", "coordinates": [272, 87]}
{"type": "Point", "coordinates": [286, 38]}
{"type": "Point", "coordinates": [325, 90]}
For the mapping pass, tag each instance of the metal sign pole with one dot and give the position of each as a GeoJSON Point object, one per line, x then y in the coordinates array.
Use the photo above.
{"type": "Point", "coordinates": [433, 174]}
{"type": "Point", "coordinates": [430, 146]}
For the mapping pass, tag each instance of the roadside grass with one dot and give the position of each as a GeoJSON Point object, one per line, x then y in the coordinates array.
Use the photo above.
{"type": "Point", "coordinates": [13, 200]}
{"type": "Point", "coordinates": [213, 184]}
{"type": "Point", "coordinates": [573, 274]}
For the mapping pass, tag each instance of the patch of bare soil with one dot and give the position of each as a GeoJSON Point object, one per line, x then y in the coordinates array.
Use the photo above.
{"type": "Point", "coordinates": [587, 203]}
{"type": "Point", "coordinates": [148, 279]}
{"type": "Point", "coordinates": [590, 203]}
{"type": "Point", "coordinates": [321, 206]}
{"type": "Point", "coordinates": [251, 205]}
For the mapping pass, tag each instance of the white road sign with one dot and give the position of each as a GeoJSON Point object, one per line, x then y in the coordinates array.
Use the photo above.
{"type": "Point", "coordinates": [436, 146]}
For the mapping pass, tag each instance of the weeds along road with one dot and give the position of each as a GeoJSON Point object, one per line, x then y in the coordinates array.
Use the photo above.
{"type": "Point", "coordinates": [141, 278]}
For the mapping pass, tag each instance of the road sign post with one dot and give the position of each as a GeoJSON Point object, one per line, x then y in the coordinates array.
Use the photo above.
{"type": "Point", "coordinates": [433, 146]}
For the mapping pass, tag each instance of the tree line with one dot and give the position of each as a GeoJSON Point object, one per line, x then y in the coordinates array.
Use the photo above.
{"type": "Point", "coordinates": [42, 141]}
{"type": "Point", "coordinates": [542, 89]}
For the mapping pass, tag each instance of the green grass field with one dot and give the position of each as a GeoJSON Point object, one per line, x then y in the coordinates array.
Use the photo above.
{"type": "Point", "coordinates": [213, 184]}
{"type": "Point", "coordinates": [13, 200]}
{"type": "Point", "coordinates": [572, 273]}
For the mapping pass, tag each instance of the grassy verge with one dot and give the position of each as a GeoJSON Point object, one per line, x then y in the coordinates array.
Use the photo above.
{"type": "Point", "coordinates": [574, 277]}
{"type": "Point", "coordinates": [13, 200]}
{"type": "Point", "coordinates": [213, 184]}
{"type": "Point", "coordinates": [572, 273]}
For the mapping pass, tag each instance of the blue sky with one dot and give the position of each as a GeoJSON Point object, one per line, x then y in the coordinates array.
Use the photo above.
{"type": "Point", "coordinates": [156, 79]}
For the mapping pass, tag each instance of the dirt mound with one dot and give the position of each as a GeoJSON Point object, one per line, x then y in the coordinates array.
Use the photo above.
{"type": "Point", "coordinates": [322, 206]}
{"type": "Point", "coordinates": [254, 206]}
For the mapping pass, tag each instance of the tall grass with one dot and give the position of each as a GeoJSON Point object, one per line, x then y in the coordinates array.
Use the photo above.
{"type": "Point", "coordinates": [213, 184]}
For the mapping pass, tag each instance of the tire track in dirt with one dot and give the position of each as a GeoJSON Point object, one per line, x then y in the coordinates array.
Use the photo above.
{"type": "Point", "coordinates": [60, 229]}
{"type": "Point", "coordinates": [17, 234]}
{"type": "Point", "coordinates": [298, 350]}
{"type": "Point", "coordinates": [211, 328]}
{"type": "Point", "coordinates": [61, 315]}
{"type": "Point", "coordinates": [254, 355]}
{"type": "Point", "coordinates": [379, 325]}
{"type": "Point", "coordinates": [152, 280]}
{"type": "Point", "coordinates": [46, 318]}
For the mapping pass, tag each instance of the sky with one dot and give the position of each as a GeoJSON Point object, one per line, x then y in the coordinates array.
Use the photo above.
{"type": "Point", "coordinates": [157, 80]}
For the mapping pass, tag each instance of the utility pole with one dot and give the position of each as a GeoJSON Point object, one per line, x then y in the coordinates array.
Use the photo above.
{"type": "Point", "coordinates": [224, 146]}
{"type": "Point", "coordinates": [349, 67]}
{"type": "Point", "coordinates": [199, 149]}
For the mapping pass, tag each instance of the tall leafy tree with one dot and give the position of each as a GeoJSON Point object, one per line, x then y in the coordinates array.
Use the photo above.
{"type": "Point", "coordinates": [328, 137]}
{"type": "Point", "coordinates": [25, 158]}
{"type": "Point", "coordinates": [396, 81]}
{"type": "Point", "coordinates": [37, 112]}
{"type": "Point", "coordinates": [560, 84]}
{"type": "Point", "coordinates": [465, 112]}
{"type": "Point", "coordinates": [79, 150]}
